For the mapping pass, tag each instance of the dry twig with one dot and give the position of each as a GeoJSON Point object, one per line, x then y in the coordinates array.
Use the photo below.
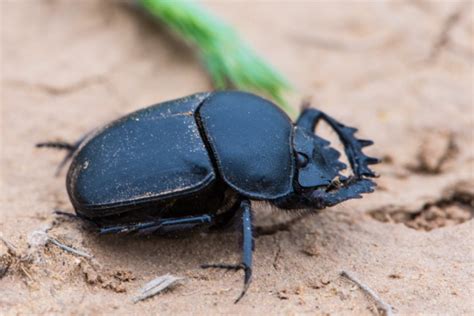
{"type": "Point", "coordinates": [386, 308]}
{"type": "Point", "coordinates": [40, 237]}
{"type": "Point", "coordinates": [69, 249]}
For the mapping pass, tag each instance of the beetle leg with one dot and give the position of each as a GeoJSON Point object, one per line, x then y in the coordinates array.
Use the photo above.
{"type": "Point", "coordinates": [352, 145]}
{"type": "Point", "coordinates": [309, 118]}
{"type": "Point", "coordinates": [158, 225]}
{"type": "Point", "coordinates": [247, 249]}
{"type": "Point", "coordinates": [56, 145]}
{"type": "Point", "coordinates": [351, 190]}
{"type": "Point", "coordinates": [71, 148]}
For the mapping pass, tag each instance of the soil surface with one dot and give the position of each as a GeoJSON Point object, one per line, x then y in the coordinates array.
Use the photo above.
{"type": "Point", "coordinates": [401, 71]}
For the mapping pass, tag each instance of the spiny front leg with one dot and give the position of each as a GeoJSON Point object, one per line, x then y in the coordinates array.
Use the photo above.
{"type": "Point", "coordinates": [247, 249]}
{"type": "Point", "coordinates": [322, 197]}
{"type": "Point", "coordinates": [352, 189]}
{"type": "Point", "coordinates": [352, 145]}
{"type": "Point", "coordinates": [341, 188]}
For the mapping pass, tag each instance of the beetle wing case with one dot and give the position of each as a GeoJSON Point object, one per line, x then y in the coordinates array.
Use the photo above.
{"type": "Point", "coordinates": [250, 138]}
{"type": "Point", "coordinates": [156, 152]}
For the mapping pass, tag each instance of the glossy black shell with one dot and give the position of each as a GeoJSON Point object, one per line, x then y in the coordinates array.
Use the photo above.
{"type": "Point", "coordinates": [177, 149]}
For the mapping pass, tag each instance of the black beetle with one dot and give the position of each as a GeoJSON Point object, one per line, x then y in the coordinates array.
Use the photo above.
{"type": "Point", "coordinates": [199, 160]}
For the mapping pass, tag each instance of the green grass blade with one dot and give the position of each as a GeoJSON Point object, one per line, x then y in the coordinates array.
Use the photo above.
{"type": "Point", "coordinates": [230, 62]}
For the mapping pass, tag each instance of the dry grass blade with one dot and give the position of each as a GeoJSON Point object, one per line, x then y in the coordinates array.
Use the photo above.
{"type": "Point", "coordinates": [11, 248]}
{"type": "Point", "coordinates": [156, 286]}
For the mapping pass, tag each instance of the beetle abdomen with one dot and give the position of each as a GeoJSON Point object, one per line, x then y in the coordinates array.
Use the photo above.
{"type": "Point", "coordinates": [156, 152]}
{"type": "Point", "coordinates": [250, 138]}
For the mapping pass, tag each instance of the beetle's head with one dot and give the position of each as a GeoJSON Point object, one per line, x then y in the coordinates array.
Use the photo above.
{"type": "Point", "coordinates": [317, 164]}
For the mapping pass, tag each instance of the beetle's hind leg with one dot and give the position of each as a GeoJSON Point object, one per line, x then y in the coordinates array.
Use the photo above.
{"type": "Point", "coordinates": [247, 249]}
{"type": "Point", "coordinates": [56, 145]}
{"type": "Point", "coordinates": [71, 149]}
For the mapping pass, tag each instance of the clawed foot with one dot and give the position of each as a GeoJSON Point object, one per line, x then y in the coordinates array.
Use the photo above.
{"type": "Point", "coordinates": [234, 267]}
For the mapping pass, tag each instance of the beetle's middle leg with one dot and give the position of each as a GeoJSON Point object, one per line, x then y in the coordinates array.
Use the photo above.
{"type": "Point", "coordinates": [247, 249]}
{"type": "Point", "coordinates": [159, 226]}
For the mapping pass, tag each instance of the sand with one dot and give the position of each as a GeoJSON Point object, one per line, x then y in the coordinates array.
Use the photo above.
{"type": "Point", "coordinates": [401, 71]}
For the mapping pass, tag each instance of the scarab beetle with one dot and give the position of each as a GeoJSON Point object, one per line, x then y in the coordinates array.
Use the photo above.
{"type": "Point", "coordinates": [198, 162]}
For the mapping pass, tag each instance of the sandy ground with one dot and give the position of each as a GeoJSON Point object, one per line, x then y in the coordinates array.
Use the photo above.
{"type": "Point", "coordinates": [401, 71]}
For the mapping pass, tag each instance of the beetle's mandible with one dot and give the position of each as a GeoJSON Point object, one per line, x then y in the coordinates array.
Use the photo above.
{"type": "Point", "coordinates": [198, 161]}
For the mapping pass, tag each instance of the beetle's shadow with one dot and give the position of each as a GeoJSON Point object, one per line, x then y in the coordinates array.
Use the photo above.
{"type": "Point", "coordinates": [159, 254]}
{"type": "Point", "coordinates": [182, 252]}
{"type": "Point", "coordinates": [312, 248]}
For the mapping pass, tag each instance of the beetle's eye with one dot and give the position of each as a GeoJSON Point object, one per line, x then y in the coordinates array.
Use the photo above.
{"type": "Point", "coordinates": [301, 160]}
